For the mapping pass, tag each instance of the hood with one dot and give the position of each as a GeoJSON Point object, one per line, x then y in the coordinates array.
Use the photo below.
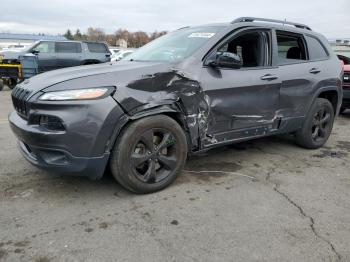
{"type": "Point", "coordinates": [11, 54]}
{"type": "Point", "coordinates": [107, 74]}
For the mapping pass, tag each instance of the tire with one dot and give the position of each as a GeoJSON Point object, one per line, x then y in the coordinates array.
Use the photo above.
{"type": "Point", "coordinates": [342, 110]}
{"type": "Point", "coordinates": [317, 126]}
{"type": "Point", "coordinates": [12, 83]}
{"type": "Point", "coordinates": [148, 154]}
{"type": "Point", "coordinates": [91, 63]}
{"type": "Point", "coordinates": [1, 85]}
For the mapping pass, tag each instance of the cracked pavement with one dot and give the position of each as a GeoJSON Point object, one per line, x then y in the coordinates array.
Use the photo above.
{"type": "Point", "coordinates": [263, 200]}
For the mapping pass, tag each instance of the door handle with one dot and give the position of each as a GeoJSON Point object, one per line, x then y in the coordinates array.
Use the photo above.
{"type": "Point", "coordinates": [315, 71]}
{"type": "Point", "coordinates": [269, 77]}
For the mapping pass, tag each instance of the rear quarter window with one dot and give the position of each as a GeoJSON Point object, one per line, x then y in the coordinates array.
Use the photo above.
{"type": "Point", "coordinates": [316, 49]}
{"type": "Point", "coordinates": [97, 48]}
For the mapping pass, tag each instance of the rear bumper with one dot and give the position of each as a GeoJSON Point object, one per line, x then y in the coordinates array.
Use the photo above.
{"type": "Point", "coordinates": [346, 98]}
{"type": "Point", "coordinates": [82, 148]}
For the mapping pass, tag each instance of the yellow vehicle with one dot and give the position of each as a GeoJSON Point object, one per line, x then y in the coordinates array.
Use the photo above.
{"type": "Point", "coordinates": [13, 73]}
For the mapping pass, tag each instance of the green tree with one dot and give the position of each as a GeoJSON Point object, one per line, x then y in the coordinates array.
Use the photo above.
{"type": "Point", "coordinates": [68, 35]}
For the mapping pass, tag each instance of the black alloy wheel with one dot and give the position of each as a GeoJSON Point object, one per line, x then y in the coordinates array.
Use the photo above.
{"type": "Point", "coordinates": [148, 154]}
{"type": "Point", "coordinates": [154, 156]}
{"type": "Point", "coordinates": [317, 126]}
{"type": "Point", "coordinates": [321, 124]}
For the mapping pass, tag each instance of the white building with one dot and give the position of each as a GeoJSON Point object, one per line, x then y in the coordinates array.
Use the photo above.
{"type": "Point", "coordinates": [122, 43]}
{"type": "Point", "coordinates": [21, 40]}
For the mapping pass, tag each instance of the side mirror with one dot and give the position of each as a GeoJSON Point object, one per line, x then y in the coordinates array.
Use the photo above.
{"type": "Point", "coordinates": [228, 60]}
{"type": "Point", "coordinates": [35, 52]}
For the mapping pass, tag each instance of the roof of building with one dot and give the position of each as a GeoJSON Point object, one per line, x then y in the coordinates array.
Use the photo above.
{"type": "Point", "coordinates": [31, 37]}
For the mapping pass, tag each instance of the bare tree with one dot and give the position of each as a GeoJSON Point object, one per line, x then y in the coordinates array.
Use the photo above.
{"type": "Point", "coordinates": [133, 39]}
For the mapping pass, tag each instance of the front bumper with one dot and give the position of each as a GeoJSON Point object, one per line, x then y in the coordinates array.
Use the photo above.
{"type": "Point", "coordinates": [82, 148]}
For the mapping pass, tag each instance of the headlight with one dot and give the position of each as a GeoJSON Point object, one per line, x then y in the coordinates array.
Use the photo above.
{"type": "Point", "coordinates": [78, 94]}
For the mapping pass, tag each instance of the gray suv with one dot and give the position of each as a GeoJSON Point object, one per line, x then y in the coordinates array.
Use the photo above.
{"type": "Point", "coordinates": [189, 91]}
{"type": "Point", "coordinates": [59, 54]}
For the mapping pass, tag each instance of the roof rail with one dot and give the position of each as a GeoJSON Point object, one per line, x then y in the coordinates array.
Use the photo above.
{"type": "Point", "coordinates": [253, 19]}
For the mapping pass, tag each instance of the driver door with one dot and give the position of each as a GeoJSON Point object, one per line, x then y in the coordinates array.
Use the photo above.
{"type": "Point", "coordinates": [47, 59]}
{"type": "Point", "coordinates": [244, 102]}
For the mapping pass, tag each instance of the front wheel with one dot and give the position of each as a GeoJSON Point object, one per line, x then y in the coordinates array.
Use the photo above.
{"type": "Point", "coordinates": [148, 154]}
{"type": "Point", "coordinates": [317, 126]}
{"type": "Point", "coordinates": [12, 83]}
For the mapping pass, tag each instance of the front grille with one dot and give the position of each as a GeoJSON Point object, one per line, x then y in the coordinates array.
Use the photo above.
{"type": "Point", "coordinates": [346, 77]}
{"type": "Point", "coordinates": [20, 100]}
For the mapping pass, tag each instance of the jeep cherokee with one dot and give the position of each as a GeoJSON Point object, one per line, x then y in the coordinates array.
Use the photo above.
{"type": "Point", "coordinates": [187, 92]}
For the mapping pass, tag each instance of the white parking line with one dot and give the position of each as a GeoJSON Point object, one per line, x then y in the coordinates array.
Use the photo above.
{"type": "Point", "coordinates": [3, 121]}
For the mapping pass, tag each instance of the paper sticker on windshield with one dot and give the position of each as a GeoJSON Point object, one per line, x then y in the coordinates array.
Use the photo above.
{"type": "Point", "coordinates": [201, 35]}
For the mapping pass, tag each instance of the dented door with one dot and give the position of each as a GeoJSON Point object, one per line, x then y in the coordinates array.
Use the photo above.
{"type": "Point", "coordinates": [241, 99]}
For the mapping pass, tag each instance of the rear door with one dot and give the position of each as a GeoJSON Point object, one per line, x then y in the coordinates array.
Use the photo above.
{"type": "Point", "coordinates": [243, 102]}
{"type": "Point", "coordinates": [303, 63]}
{"type": "Point", "coordinates": [68, 54]}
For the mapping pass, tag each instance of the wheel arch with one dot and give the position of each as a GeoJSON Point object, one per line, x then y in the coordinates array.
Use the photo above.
{"type": "Point", "coordinates": [170, 110]}
{"type": "Point", "coordinates": [90, 62]}
{"type": "Point", "coordinates": [332, 94]}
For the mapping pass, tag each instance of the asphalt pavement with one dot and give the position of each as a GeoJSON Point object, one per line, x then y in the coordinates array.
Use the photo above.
{"type": "Point", "coordinates": [264, 200]}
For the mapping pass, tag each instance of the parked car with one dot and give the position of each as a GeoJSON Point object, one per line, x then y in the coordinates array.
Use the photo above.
{"type": "Point", "coordinates": [346, 83]}
{"type": "Point", "coordinates": [59, 54]}
{"type": "Point", "coordinates": [17, 47]}
{"type": "Point", "coordinates": [114, 50]}
{"type": "Point", "coordinates": [187, 92]}
{"type": "Point", "coordinates": [121, 54]}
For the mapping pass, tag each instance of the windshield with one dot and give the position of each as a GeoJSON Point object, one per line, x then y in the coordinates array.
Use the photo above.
{"type": "Point", "coordinates": [175, 46]}
{"type": "Point", "coordinates": [29, 46]}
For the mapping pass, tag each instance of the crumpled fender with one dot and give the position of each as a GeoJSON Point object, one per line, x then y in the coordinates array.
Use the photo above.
{"type": "Point", "coordinates": [168, 92]}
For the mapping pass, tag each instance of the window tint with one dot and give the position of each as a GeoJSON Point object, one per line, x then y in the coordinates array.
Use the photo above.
{"type": "Point", "coordinates": [252, 47]}
{"type": "Point", "coordinates": [316, 50]}
{"type": "Point", "coordinates": [97, 48]}
{"type": "Point", "coordinates": [68, 47]}
{"type": "Point", "coordinates": [45, 47]}
{"type": "Point", "coordinates": [291, 48]}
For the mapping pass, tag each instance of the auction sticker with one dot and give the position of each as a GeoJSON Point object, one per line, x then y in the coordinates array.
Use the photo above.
{"type": "Point", "coordinates": [201, 35]}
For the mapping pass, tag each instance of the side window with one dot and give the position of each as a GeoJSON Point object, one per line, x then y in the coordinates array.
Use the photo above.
{"type": "Point", "coordinates": [253, 48]}
{"type": "Point", "coordinates": [45, 47]}
{"type": "Point", "coordinates": [316, 49]}
{"type": "Point", "coordinates": [97, 48]}
{"type": "Point", "coordinates": [291, 48]}
{"type": "Point", "coordinates": [68, 47]}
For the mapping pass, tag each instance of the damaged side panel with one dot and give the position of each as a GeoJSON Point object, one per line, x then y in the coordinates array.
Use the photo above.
{"type": "Point", "coordinates": [164, 92]}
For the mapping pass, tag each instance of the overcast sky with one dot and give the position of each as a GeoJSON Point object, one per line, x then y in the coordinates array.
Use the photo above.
{"type": "Point", "coordinates": [332, 18]}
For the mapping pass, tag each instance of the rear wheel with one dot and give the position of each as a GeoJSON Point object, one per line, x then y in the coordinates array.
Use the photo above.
{"type": "Point", "coordinates": [149, 154]}
{"type": "Point", "coordinates": [317, 126]}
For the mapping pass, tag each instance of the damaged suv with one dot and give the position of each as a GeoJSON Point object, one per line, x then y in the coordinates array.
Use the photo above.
{"type": "Point", "coordinates": [189, 91]}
